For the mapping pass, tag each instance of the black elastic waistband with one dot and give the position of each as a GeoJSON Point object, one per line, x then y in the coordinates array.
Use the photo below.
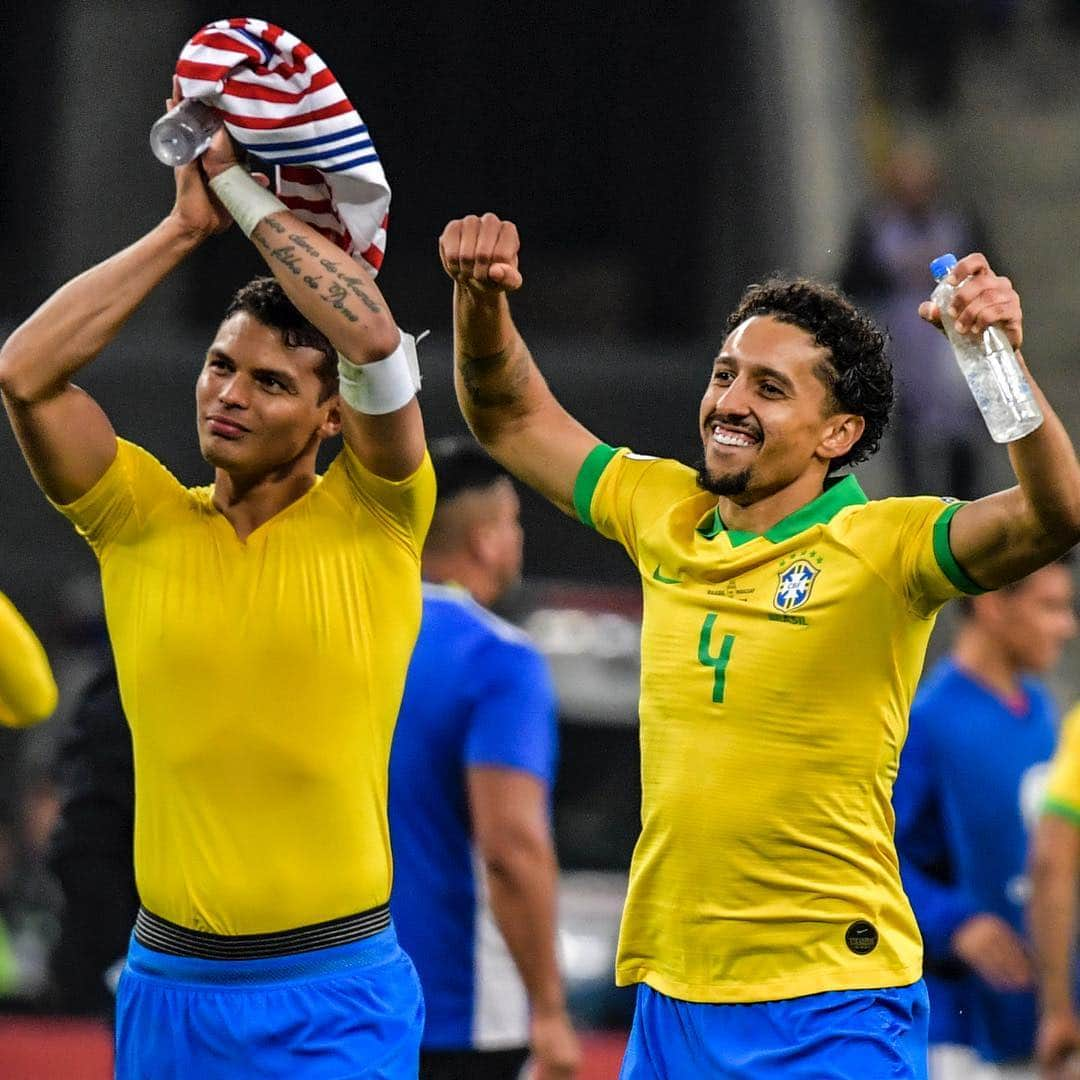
{"type": "Point", "coordinates": [154, 932]}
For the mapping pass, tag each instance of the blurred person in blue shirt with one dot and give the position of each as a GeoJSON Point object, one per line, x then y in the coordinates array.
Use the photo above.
{"type": "Point", "coordinates": [969, 790]}
{"type": "Point", "coordinates": [471, 772]}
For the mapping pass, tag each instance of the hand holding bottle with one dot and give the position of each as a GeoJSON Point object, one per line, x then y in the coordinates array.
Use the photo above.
{"type": "Point", "coordinates": [981, 316]}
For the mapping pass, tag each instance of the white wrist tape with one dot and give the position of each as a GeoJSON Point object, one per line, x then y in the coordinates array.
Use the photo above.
{"type": "Point", "coordinates": [245, 198]}
{"type": "Point", "coordinates": [383, 386]}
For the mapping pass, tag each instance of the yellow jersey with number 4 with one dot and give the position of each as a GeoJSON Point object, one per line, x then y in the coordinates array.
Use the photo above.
{"type": "Point", "coordinates": [776, 676]}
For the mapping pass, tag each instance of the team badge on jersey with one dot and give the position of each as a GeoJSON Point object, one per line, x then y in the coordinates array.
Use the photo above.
{"type": "Point", "coordinates": [795, 584]}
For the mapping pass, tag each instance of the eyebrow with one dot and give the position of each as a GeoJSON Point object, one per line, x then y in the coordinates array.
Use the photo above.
{"type": "Point", "coordinates": [285, 377]}
{"type": "Point", "coordinates": [760, 371]}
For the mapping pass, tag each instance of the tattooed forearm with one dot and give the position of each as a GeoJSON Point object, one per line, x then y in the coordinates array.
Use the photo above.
{"type": "Point", "coordinates": [353, 284]}
{"type": "Point", "coordinates": [287, 257]}
{"type": "Point", "coordinates": [496, 382]}
{"type": "Point", "coordinates": [319, 273]}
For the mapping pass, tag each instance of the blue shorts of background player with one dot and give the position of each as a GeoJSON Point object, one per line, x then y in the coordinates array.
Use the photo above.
{"type": "Point", "coordinates": [352, 1011]}
{"type": "Point", "coordinates": [838, 1035]}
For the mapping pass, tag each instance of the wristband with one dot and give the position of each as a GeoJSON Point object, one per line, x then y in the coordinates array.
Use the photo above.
{"type": "Point", "coordinates": [245, 198]}
{"type": "Point", "coordinates": [383, 386]}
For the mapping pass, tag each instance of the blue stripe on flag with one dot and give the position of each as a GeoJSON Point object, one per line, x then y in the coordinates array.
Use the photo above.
{"type": "Point", "coordinates": [299, 144]}
{"type": "Point", "coordinates": [308, 158]}
{"type": "Point", "coordinates": [351, 163]}
{"type": "Point", "coordinates": [258, 42]}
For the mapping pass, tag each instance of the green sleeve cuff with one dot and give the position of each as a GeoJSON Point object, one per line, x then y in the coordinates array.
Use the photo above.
{"type": "Point", "coordinates": [1060, 808]}
{"type": "Point", "coordinates": [588, 477]}
{"type": "Point", "coordinates": [945, 558]}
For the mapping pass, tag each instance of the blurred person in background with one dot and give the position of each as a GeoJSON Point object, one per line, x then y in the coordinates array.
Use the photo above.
{"type": "Point", "coordinates": [982, 731]}
{"type": "Point", "coordinates": [1052, 912]}
{"type": "Point", "coordinates": [471, 773]}
{"type": "Point", "coordinates": [938, 432]}
{"type": "Point", "coordinates": [262, 627]}
{"type": "Point", "coordinates": [786, 622]}
{"type": "Point", "coordinates": [91, 850]}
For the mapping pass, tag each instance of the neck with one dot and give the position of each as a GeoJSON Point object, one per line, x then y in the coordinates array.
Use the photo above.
{"type": "Point", "coordinates": [980, 655]}
{"type": "Point", "coordinates": [767, 510]}
{"type": "Point", "coordinates": [449, 570]}
{"type": "Point", "coordinates": [248, 502]}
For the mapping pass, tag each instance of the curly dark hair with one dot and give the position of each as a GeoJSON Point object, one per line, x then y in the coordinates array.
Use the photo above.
{"type": "Point", "coordinates": [265, 299]}
{"type": "Point", "coordinates": [858, 375]}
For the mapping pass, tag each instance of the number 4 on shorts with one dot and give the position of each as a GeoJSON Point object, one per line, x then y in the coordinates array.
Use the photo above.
{"type": "Point", "coordinates": [718, 662]}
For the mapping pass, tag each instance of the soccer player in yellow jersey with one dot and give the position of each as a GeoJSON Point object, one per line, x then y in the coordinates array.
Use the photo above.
{"type": "Point", "coordinates": [262, 627]}
{"type": "Point", "coordinates": [27, 688]}
{"type": "Point", "coordinates": [1055, 879]}
{"type": "Point", "coordinates": [786, 620]}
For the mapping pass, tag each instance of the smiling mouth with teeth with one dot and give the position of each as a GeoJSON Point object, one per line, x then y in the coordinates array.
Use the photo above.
{"type": "Point", "coordinates": [726, 437]}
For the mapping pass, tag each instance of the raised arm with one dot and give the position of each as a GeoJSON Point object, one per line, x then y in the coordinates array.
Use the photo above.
{"type": "Point", "coordinates": [502, 394]}
{"type": "Point", "coordinates": [65, 436]}
{"type": "Point", "coordinates": [1003, 537]}
{"type": "Point", "coordinates": [335, 294]}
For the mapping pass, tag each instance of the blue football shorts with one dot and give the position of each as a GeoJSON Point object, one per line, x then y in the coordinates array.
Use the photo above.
{"type": "Point", "coordinates": [837, 1035]}
{"type": "Point", "coordinates": [353, 1010]}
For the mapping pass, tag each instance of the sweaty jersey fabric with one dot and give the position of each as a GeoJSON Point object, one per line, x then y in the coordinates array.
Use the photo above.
{"type": "Point", "coordinates": [970, 786]}
{"type": "Point", "coordinates": [478, 693]}
{"type": "Point", "coordinates": [776, 676]}
{"type": "Point", "coordinates": [27, 689]}
{"type": "Point", "coordinates": [261, 679]}
{"type": "Point", "coordinates": [1063, 786]}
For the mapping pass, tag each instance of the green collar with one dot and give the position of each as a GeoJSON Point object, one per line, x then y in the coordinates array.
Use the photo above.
{"type": "Point", "coordinates": [838, 493]}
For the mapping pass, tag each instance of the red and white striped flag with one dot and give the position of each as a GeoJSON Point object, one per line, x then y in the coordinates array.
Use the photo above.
{"type": "Point", "coordinates": [283, 104]}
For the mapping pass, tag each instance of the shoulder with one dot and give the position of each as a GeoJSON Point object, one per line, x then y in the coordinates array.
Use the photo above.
{"type": "Point", "coordinates": [616, 475]}
{"type": "Point", "coordinates": [868, 517]}
{"type": "Point", "coordinates": [451, 605]}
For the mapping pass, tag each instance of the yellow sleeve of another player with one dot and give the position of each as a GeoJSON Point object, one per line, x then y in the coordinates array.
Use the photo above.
{"type": "Point", "coordinates": [907, 542]}
{"type": "Point", "coordinates": [617, 491]}
{"type": "Point", "coordinates": [27, 687]}
{"type": "Point", "coordinates": [1063, 785]}
{"type": "Point", "coordinates": [403, 507]}
{"type": "Point", "coordinates": [117, 504]}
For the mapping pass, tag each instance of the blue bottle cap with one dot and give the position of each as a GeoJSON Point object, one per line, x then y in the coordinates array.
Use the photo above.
{"type": "Point", "coordinates": [942, 265]}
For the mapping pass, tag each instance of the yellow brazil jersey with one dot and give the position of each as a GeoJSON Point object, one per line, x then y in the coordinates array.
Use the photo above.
{"type": "Point", "coordinates": [27, 688]}
{"type": "Point", "coordinates": [261, 680]}
{"type": "Point", "coordinates": [776, 676]}
{"type": "Point", "coordinates": [1063, 785]}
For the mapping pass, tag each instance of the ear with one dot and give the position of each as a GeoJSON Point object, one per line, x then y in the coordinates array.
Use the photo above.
{"type": "Point", "coordinates": [842, 432]}
{"type": "Point", "coordinates": [331, 424]}
{"type": "Point", "coordinates": [483, 542]}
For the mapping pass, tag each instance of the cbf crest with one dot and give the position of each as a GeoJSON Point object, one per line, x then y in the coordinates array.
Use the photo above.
{"type": "Point", "coordinates": [795, 585]}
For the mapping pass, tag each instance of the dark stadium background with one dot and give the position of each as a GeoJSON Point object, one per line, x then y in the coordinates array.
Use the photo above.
{"type": "Point", "coordinates": [656, 158]}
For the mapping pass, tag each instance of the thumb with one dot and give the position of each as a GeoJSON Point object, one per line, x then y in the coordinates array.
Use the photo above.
{"type": "Point", "coordinates": [506, 276]}
{"type": "Point", "coordinates": [261, 178]}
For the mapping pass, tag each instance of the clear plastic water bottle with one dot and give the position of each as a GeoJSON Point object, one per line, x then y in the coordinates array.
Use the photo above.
{"type": "Point", "coordinates": [990, 366]}
{"type": "Point", "coordinates": [184, 132]}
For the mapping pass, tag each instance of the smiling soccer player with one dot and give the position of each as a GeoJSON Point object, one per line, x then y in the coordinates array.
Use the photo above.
{"type": "Point", "coordinates": [786, 621]}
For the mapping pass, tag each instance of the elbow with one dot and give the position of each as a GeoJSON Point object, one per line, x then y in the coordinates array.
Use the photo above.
{"type": "Point", "coordinates": [18, 381]}
{"type": "Point", "coordinates": [508, 856]}
{"type": "Point", "coordinates": [378, 343]}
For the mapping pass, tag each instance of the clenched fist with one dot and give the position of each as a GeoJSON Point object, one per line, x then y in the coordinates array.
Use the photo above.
{"type": "Point", "coordinates": [481, 253]}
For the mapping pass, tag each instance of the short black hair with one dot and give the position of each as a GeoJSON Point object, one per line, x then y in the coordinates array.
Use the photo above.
{"type": "Point", "coordinates": [858, 376]}
{"type": "Point", "coordinates": [461, 464]}
{"type": "Point", "coordinates": [265, 299]}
